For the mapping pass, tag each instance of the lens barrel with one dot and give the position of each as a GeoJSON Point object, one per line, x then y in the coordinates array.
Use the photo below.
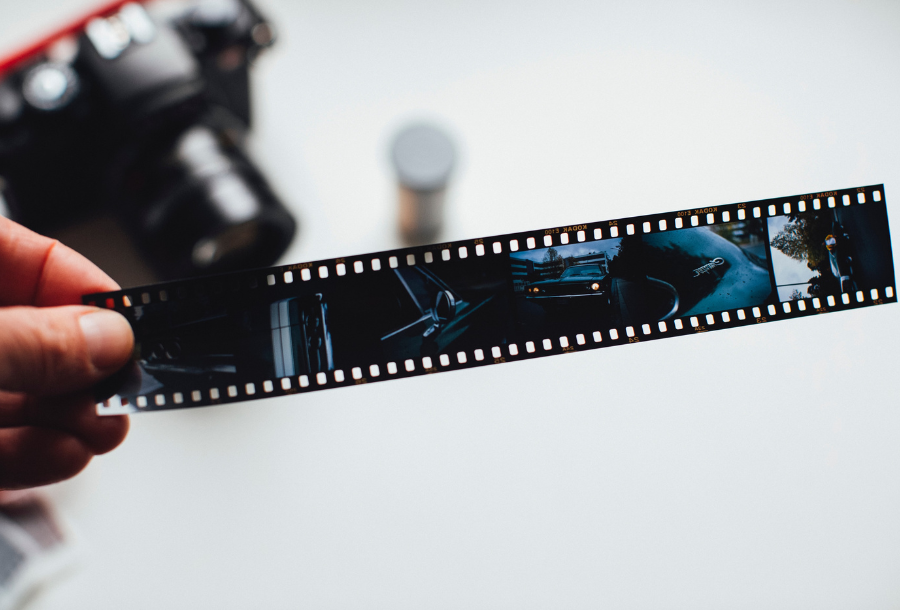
{"type": "Point", "coordinates": [209, 210]}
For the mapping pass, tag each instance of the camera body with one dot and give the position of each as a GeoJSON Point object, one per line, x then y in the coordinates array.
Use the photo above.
{"type": "Point", "coordinates": [143, 115]}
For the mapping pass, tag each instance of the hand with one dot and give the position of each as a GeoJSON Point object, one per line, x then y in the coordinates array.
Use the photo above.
{"type": "Point", "coordinates": [52, 350]}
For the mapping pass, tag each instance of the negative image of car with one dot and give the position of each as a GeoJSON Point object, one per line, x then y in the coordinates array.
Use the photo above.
{"type": "Point", "coordinates": [576, 282]}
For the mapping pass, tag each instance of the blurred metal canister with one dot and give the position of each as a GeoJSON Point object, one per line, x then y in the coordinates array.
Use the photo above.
{"type": "Point", "coordinates": [424, 158]}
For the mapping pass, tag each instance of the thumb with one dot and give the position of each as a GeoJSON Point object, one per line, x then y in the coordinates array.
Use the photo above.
{"type": "Point", "coordinates": [57, 350]}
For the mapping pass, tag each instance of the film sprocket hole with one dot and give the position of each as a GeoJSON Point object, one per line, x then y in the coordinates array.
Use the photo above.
{"type": "Point", "coordinates": [144, 117]}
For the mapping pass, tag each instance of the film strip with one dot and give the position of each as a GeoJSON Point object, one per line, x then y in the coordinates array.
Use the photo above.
{"type": "Point", "coordinates": [478, 302]}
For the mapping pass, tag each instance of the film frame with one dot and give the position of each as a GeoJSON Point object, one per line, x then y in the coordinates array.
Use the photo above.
{"type": "Point", "coordinates": [497, 252]}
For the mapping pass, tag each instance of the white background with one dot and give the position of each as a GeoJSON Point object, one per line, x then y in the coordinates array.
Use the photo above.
{"type": "Point", "coordinates": [753, 468]}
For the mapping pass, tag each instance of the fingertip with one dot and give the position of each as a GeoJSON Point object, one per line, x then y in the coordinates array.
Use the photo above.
{"type": "Point", "coordinates": [67, 275]}
{"type": "Point", "coordinates": [57, 350]}
{"type": "Point", "coordinates": [68, 457]}
{"type": "Point", "coordinates": [77, 415]}
{"type": "Point", "coordinates": [111, 431]}
{"type": "Point", "coordinates": [30, 457]}
{"type": "Point", "coordinates": [41, 271]}
{"type": "Point", "coordinates": [108, 338]}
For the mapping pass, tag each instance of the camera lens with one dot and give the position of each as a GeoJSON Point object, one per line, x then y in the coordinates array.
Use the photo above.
{"type": "Point", "coordinates": [210, 250]}
{"type": "Point", "coordinates": [210, 210]}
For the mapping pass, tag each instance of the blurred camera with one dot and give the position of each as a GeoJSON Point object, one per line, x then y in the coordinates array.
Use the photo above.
{"type": "Point", "coordinates": [142, 112]}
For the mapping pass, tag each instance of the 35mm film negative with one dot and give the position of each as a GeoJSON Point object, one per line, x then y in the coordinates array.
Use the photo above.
{"type": "Point", "coordinates": [422, 310]}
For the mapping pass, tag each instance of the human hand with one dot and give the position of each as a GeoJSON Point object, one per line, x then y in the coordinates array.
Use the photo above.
{"type": "Point", "coordinates": [52, 350]}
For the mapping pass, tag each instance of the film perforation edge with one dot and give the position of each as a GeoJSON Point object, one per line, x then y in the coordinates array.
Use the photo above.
{"type": "Point", "coordinates": [531, 328]}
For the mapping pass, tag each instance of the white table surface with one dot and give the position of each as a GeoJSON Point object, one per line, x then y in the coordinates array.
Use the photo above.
{"type": "Point", "coordinates": [753, 468]}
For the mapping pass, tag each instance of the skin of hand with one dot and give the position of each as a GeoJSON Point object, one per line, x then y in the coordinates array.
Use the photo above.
{"type": "Point", "coordinates": [52, 350]}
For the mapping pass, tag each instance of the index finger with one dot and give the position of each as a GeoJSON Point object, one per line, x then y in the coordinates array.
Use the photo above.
{"type": "Point", "coordinates": [37, 270]}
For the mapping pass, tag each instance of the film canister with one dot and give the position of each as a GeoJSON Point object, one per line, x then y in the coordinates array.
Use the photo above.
{"type": "Point", "coordinates": [424, 158]}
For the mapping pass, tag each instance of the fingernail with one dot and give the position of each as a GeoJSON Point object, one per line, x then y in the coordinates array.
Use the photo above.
{"type": "Point", "coordinates": [108, 338]}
